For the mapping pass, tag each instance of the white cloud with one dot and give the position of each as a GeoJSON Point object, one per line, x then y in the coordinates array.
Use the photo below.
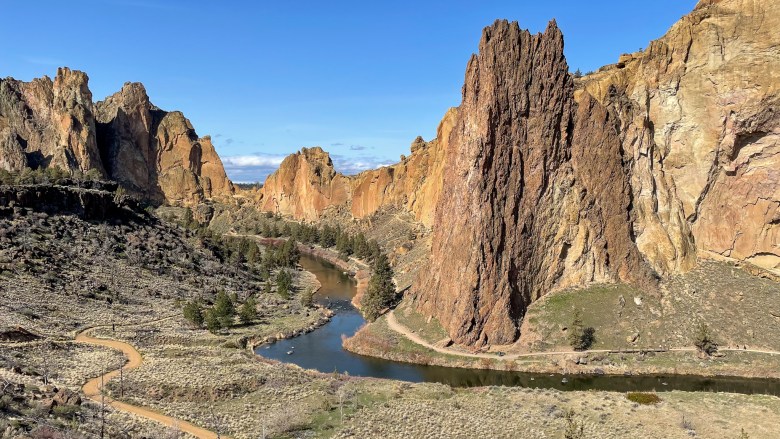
{"type": "Point", "coordinates": [243, 161]}
{"type": "Point", "coordinates": [252, 167]}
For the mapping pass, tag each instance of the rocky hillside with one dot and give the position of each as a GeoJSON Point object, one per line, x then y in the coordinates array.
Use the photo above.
{"type": "Point", "coordinates": [150, 152]}
{"type": "Point", "coordinates": [540, 181]}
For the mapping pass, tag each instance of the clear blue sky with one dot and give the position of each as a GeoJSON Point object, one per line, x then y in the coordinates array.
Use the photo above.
{"type": "Point", "coordinates": [362, 79]}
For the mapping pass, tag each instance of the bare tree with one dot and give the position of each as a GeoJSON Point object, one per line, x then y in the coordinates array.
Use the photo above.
{"type": "Point", "coordinates": [344, 395]}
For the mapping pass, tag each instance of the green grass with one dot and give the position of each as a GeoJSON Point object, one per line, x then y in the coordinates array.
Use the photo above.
{"type": "Point", "coordinates": [643, 398]}
{"type": "Point", "coordinates": [430, 331]}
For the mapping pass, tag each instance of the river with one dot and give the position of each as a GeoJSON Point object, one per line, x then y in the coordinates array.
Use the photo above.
{"type": "Point", "coordinates": [322, 350]}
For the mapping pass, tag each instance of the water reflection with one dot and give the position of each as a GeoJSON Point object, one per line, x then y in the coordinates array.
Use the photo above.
{"type": "Point", "coordinates": [321, 350]}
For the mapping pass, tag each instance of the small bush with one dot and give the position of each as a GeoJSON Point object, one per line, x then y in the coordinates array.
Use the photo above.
{"type": "Point", "coordinates": [307, 298]}
{"type": "Point", "coordinates": [643, 398]}
{"type": "Point", "coordinates": [703, 340]}
{"type": "Point", "coordinates": [574, 428]}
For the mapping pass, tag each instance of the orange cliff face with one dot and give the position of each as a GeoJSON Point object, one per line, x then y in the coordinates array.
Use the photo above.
{"type": "Point", "coordinates": [306, 186]}
{"type": "Point", "coordinates": [540, 181]}
{"type": "Point", "coordinates": [154, 154]}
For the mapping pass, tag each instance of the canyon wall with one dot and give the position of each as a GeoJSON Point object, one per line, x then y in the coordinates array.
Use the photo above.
{"type": "Point", "coordinates": [306, 186]}
{"type": "Point", "coordinates": [153, 154]}
{"type": "Point", "coordinates": [541, 181]}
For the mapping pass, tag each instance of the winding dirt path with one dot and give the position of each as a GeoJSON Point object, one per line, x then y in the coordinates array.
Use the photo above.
{"type": "Point", "coordinates": [92, 387]}
{"type": "Point", "coordinates": [396, 326]}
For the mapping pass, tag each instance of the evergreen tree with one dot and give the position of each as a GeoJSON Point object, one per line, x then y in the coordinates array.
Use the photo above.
{"type": "Point", "coordinates": [193, 312]}
{"type": "Point", "coordinates": [380, 293]}
{"type": "Point", "coordinates": [283, 283]}
{"type": "Point", "coordinates": [307, 298]}
{"type": "Point", "coordinates": [224, 310]}
{"type": "Point", "coordinates": [248, 311]}
{"type": "Point", "coordinates": [580, 337]}
{"type": "Point", "coordinates": [213, 323]}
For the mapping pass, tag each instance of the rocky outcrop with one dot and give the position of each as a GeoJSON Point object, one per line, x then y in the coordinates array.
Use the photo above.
{"type": "Point", "coordinates": [95, 201]}
{"type": "Point", "coordinates": [306, 186]}
{"type": "Point", "coordinates": [157, 153]}
{"type": "Point", "coordinates": [152, 153]}
{"type": "Point", "coordinates": [536, 196]}
{"type": "Point", "coordinates": [48, 123]}
{"type": "Point", "coordinates": [700, 116]}
{"type": "Point", "coordinates": [540, 181]}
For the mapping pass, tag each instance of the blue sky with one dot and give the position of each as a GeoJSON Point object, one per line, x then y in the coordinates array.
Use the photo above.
{"type": "Point", "coordinates": [361, 79]}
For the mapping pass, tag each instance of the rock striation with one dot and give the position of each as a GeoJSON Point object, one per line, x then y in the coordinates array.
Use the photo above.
{"type": "Point", "coordinates": [540, 181]}
{"type": "Point", "coordinates": [536, 196]}
{"type": "Point", "coordinates": [152, 153]}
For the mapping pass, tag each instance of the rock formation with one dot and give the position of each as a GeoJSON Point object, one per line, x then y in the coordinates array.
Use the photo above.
{"type": "Point", "coordinates": [157, 153]}
{"type": "Point", "coordinates": [48, 123]}
{"type": "Point", "coordinates": [700, 116]}
{"type": "Point", "coordinates": [540, 181]}
{"type": "Point", "coordinates": [306, 186]}
{"type": "Point", "coordinates": [152, 153]}
{"type": "Point", "coordinates": [536, 196]}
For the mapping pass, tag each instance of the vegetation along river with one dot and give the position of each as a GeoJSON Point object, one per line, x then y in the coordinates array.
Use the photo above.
{"type": "Point", "coordinates": [322, 350]}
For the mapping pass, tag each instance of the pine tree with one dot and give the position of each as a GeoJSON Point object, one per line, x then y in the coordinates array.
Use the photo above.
{"type": "Point", "coordinates": [248, 311]}
{"type": "Point", "coordinates": [224, 309]}
{"type": "Point", "coordinates": [283, 283]}
{"type": "Point", "coordinates": [307, 298]}
{"type": "Point", "coordinates": [213, 323]}
{"type": "Point", "coordinates": [193, 312]}
{"type": "Point", "coordinates": [380, 293]}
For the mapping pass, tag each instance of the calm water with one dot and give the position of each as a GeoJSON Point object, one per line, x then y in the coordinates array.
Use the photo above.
{"type": "Point", "coordinates": [321, 350]}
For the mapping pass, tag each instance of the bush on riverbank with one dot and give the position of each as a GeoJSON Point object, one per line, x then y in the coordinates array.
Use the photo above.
{"type": "Point", "coordinates": [643, 398]}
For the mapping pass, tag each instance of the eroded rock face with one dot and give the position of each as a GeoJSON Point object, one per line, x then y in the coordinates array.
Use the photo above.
{"type": "Point", "coordinates": [306, 186]}
{"type": "Point", "coordinates": [542, 182]}
{"type": "Point", "coordinates": [536, 196]}
{"type": "Point", "coordinates": [48, 123]}
{"type": "Point", "coordinates": [700, 114]}
{"type": "Point", "coordinates": [157, 153]}
{"type": "Point", "coordinates": [152, 153]}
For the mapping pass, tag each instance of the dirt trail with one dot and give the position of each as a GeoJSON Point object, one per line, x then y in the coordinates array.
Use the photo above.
{"type": "Point", "coordinates": [393, 324]}
{"type": "Point", "coordinates": [92, 388]}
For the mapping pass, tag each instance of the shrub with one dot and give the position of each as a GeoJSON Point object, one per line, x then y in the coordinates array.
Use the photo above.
{"type": "Point", "coordinates": [574, 429]}
{"type": "Point", "coordinates": [580, 337]}
{"type": "Point", "coordinates": [703, 340]}
{"type": "Point", "coordinates": [643, 398]}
